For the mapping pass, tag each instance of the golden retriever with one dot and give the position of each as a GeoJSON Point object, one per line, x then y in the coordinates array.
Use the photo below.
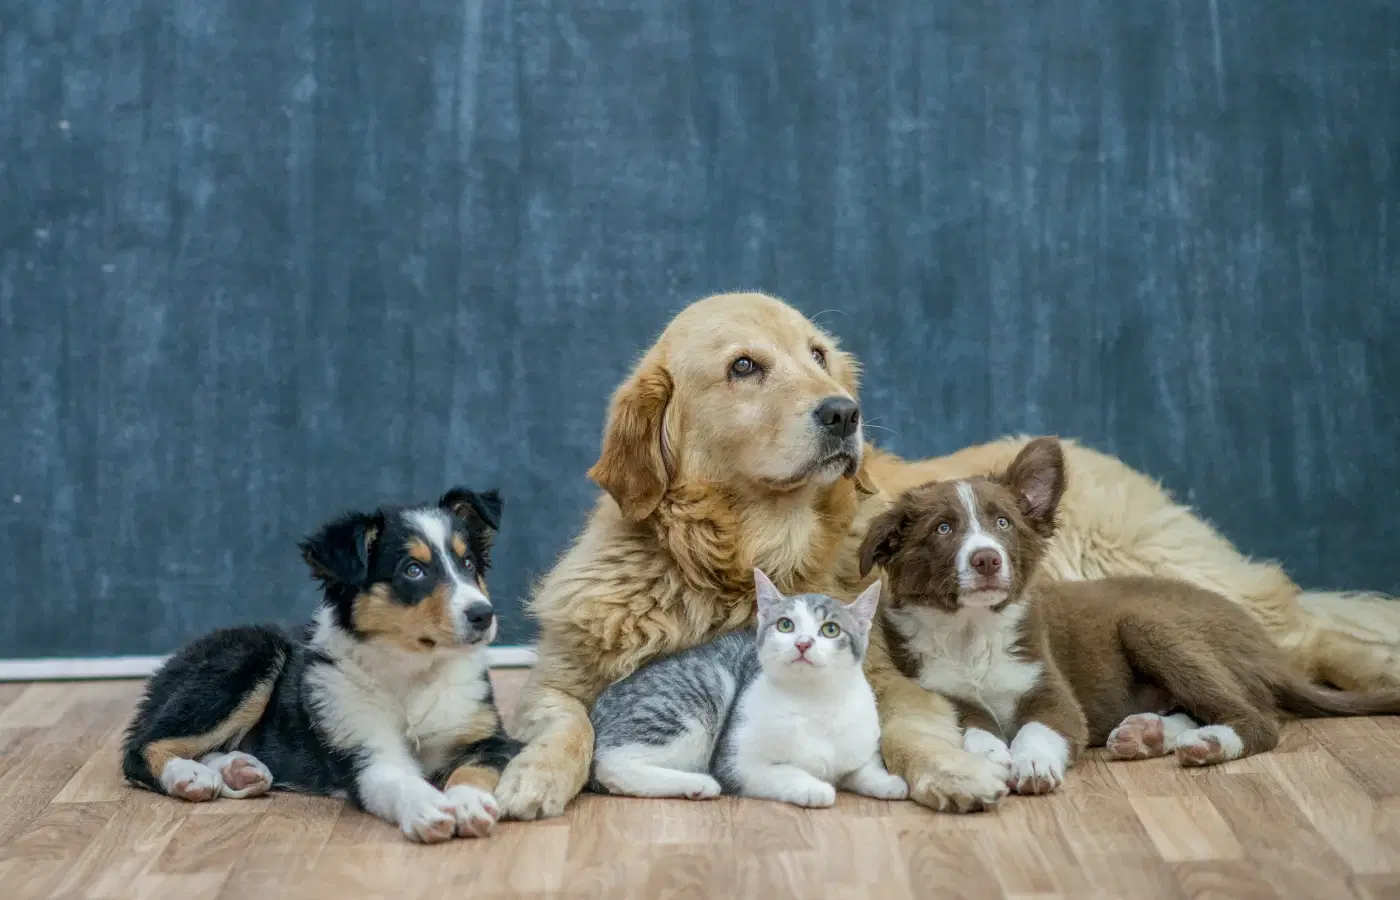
{"type": "Point", "coordinates": [735, 444]}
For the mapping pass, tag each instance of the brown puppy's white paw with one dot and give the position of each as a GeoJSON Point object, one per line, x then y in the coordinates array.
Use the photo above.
{"type": "Point", "coordinates": [1141, 736]}
{"type": "Point", "coordinates": [1039, 756]}
{"type": "Point", "coordinates": [189, 780]}
{"type": "Point", "coordinates": [956, 781]}
{"type": "Point", "coordinates": [1208, 746]}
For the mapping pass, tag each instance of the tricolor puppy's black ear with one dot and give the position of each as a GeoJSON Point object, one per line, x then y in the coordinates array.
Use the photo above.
{"type": "Point", "coordinates": [338, 553]}
{"type": "Point", "coordinates": [480, 511]}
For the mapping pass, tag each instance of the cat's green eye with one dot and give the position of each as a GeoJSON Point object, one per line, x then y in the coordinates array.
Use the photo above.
{"type": "Point", "coordinates": [784, 625]}
{"type": "Point", "coordinates": [831, 630]}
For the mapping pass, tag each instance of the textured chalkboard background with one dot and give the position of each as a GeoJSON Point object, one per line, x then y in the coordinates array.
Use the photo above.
{"type": "Point", "coordinates": [262, 261]}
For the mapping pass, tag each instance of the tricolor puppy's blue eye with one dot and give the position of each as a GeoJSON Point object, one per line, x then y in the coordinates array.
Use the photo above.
{"type": "Point", "coordinates": [413, 571]}
{"type": "Point", "coordinates": [784, 625]}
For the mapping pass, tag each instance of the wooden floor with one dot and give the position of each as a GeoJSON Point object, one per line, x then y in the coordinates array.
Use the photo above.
{"type": "Point", "coordinates": [1318, 818]}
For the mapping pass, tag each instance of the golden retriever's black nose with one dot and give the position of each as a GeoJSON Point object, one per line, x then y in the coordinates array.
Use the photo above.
{"type": "Point", "coordinates": [838, 416]}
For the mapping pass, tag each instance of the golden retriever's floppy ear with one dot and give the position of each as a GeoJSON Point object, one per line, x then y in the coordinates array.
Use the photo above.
{"type": "Point", "coordinates": [632, 466]}
{"type": "Point", "coordinates": [884, 537]}
{"type": "Point", "coordinates": [864, 482]}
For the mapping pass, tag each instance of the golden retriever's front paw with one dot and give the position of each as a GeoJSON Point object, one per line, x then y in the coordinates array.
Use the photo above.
{"type": "Point", "coordinates": [957, 781]}
{"type": "Point", "coordinates": [532, 788]}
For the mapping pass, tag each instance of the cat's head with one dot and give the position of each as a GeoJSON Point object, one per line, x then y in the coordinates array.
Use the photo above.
{"type": "Point", "coordinates": [809, 633]}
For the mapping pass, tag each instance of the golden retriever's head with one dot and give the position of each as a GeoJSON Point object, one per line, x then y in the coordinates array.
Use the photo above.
{"type": "Point", "coordinates": [740, 390]}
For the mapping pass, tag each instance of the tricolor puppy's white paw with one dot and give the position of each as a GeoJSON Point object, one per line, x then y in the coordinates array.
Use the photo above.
{"type": "Point", "coordinates": [475, 810]}
{"type": "Point", "coordinates": [426, 814]}
{"type": "Point", "coordinates": [1038, 758]}
{"type": "Point", "coordinates": [243, 774]}
{"type": "Point", "coordinates": [189, 780]}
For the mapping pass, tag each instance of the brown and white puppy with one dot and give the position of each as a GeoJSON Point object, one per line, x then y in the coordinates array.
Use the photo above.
{"type": "Point", "coordinates": [1039, 669]}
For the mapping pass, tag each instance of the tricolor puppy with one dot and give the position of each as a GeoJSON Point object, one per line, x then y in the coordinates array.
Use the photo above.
{"type": "Point", "coordinates": [383, 699]}
{"type": "Point", "coordinates": [1040, 668]}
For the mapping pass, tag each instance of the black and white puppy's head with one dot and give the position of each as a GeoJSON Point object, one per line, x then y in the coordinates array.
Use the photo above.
{"type": "Point", "coordinates": [413, 578]}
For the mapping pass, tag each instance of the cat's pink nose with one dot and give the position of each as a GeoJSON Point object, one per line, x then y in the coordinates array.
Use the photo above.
{"type": "Point", "coordinates": [803, 645]}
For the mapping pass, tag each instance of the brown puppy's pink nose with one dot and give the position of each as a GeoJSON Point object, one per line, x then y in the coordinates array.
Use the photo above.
{"type": "Point", "coordinates": [986, 562]}
{"type": "Point", "coordinates": [803, 645]}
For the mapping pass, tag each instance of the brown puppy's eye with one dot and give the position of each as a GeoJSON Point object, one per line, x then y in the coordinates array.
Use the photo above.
{"type": "Point", "coordinates": [743, 367]}
{"type": "Point", "coordinates": [1002, 523]}
{"type": "Point", "coordinates": [945, 528]}
{"type": "Point", "coordinates": [820, 356]}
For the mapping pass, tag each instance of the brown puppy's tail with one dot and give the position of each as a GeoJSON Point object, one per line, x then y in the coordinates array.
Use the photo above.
{"type": "Point", "coordinates": [1310, 701]}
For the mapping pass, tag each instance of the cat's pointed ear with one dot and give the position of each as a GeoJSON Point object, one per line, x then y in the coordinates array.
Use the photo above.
{"type": "Point", "coordinates": [863, 607]}
{"type": "Point", "coordinates": [768, 594]}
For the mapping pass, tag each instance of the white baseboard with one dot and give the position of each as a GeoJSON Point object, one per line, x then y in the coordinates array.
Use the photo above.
{"type": "Point", "coordinates": [77, 668]}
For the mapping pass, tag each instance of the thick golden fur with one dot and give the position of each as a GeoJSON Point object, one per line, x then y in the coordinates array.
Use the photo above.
{"type": "Point", "coordinates": [696, 486]}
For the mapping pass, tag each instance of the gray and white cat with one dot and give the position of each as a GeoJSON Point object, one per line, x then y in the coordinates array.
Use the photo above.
{"type": "Point", "coordinates": [784, 714]}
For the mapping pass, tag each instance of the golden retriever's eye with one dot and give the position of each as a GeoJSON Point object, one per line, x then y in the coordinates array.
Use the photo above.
{"type": "Point", "coordinates": [743, 367]}
{"type": "Point", "coordinates": [831, 630]}
{"type": "Point", "coordinates": [784, 625]}
{"type": "Point", "coordinates": [1002, 523]}
{"type": "Point", "coordinates": [820, 356]}
{"type": "Point", "coordinates": [945, 528]}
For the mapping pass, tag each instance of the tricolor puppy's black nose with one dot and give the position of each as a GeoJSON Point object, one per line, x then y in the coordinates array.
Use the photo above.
{"type": "Point", "coordinates": [479, 616]}
{"type": "Point", "coordinates": [838, 416]}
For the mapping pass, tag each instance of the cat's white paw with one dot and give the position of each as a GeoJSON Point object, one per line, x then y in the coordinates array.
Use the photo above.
{"type": "Point", "coordinates": [475, 810]}
{"type": "Point", "coordinates": [817, 795]}
{"type": "Point", "coordinates": [886, 787]}
{"type": "Point", "coordinates": [704, 788]}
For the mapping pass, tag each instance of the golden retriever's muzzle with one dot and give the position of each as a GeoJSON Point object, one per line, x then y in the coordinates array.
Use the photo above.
{"type": "Point", "coordinates": [836, 423]}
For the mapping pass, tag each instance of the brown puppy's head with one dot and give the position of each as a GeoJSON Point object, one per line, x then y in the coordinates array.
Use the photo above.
{"type": "Point", "coordinates": [972, 543]}
{"type": "Point", "coordinates": [740, 390]}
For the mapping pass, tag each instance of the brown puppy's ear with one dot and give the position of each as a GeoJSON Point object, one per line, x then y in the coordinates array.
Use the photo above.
{"type": "Point", "coordinates": [1037, 476]}
{"type": "Point", "coordinates": [884, 538]}
{"type": "Point", "coordinates": [632, 466]}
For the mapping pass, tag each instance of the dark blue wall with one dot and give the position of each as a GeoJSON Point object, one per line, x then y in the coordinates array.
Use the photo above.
{"type": "Point", "coordinates": [263, 261]}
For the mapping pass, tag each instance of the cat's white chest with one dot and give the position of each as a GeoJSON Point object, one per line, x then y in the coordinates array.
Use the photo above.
{"type": "Point", "coordinates": [970, 655]}
{"type": "Point", "coordinates": [827, 736]}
